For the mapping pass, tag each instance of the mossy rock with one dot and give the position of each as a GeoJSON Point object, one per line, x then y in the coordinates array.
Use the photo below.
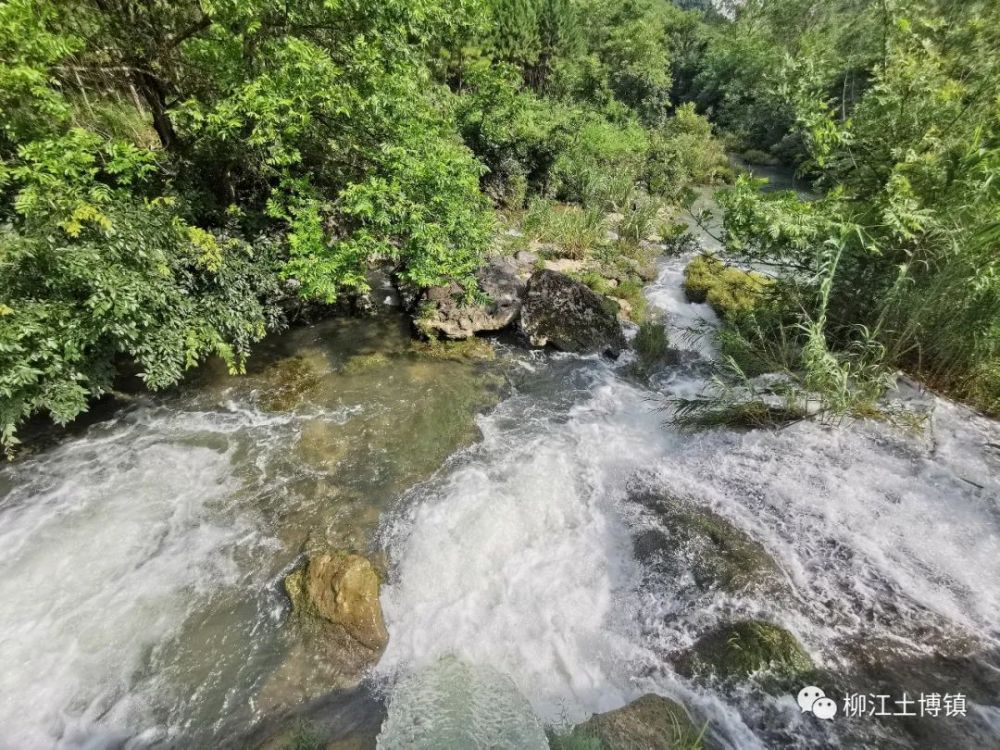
{"type": "Point", "coordinates": [699, 541]}
{"type": "Point", "coordinates": [299, 737]}
{"type": "Point", "coordinates": [570, 316]}
{"type": "Point", "coordinates": [741, 649]}
{"type": "Point", "coordinates": [751, 415]}
{"type": "Point", "coordinates": [730, 291]}
{"type": "Point", "coordinates": [652, 723]}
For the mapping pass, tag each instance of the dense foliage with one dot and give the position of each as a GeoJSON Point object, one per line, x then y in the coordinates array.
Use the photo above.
{"type": "Point", "coordinates": [171, 171]}
{"type": "Point", "coordinates": [896, 108]}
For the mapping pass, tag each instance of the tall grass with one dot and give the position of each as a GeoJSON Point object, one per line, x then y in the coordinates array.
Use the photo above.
{"type": "Point", "coordinates": [572, 229]}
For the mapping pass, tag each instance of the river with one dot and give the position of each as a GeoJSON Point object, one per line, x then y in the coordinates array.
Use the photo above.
{"type": "Point", "coordinates": [141, 559]}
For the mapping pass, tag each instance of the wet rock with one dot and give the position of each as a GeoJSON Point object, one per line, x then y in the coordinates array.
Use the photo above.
{"type": "Point", "coordinates": [337, 719]}
{"type": "Point", "coordinates": [382, 294]}
{"type": "Point", "coordinates": [740, 649]}
{"type": "Point", "coordinates": [342, 589]}
{"type": "Point", "coordinates": [652, 722]}
{"type": "Point", "coordinates": [446, 313]}
{"type": "Point", "coordinates": [696, 540]}
{"type": "Point", "coordinates": [320, 663]}
{"type": "Point", "coordinates": [624, 308]}
{"type": "Point", "coordinates": [466, 350]}
{"type": "Point", "coordinates": [569, 315]}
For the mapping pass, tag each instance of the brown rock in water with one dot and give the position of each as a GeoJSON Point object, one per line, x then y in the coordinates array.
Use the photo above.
{"type": "Point", "coordinates": [344, 590]}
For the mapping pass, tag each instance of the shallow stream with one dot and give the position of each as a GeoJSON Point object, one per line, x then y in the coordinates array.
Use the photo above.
{"type": "Point", "coordinates": [141, 560]}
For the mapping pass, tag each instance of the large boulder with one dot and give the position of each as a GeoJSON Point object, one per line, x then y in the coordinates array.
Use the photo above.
{"type": "Point", "coordinates": [445, 311]}
{"type": "Point", "coordinates": [740, 649]}
{"type": "Point", "coordinates": [652, 722]}
{"type": "Point", "coordinates": [566, 313]}
{"type": "Point", "coordinates": [341, 589]}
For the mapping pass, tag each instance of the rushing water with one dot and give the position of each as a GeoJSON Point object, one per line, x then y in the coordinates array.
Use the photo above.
{"type": "Point", "coordinates": [141, 561]}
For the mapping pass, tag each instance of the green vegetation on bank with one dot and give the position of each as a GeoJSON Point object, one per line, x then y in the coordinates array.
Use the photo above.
{"type": "Point", "coordinates": [172, 172]}
{"type": "Point", "coordinates": [891, 109]}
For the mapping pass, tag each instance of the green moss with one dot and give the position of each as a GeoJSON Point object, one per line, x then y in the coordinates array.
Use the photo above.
{"type": "Point", "coordinates": [364, 362]}
{"type": "Point", "coordinates": [301, 736]}
{"type": "Point", "coordinates": [295, 587]}
{"type": "Point", "coordinates": [290, 380]}
{"type": "Point", "coordinates": [743, 648]}
{"type": "Point", "coordinates": [730, 291]}
{"type": "Point", "coordinates": [473, 348]}
{"type": "Point", "coordinates": [424, 319]}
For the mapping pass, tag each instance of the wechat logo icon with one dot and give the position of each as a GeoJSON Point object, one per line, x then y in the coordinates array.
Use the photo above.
{"type": "Point", "coordinates": [813, 700]}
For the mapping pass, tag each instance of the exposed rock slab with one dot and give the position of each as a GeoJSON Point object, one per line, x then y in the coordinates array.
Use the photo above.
{"type": "Point", "coordinates": [446, 313]}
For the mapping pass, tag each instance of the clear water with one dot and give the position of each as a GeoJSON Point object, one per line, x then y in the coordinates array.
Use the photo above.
{"type": "Point", "coordinates": [141, 561]}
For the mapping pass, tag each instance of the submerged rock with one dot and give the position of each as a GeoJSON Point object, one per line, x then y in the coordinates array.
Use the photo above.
{"type": "Point", "coordinates": [740, 649]}
{"type": "Point", "coordinates": [693, 539]}
{"type": "Point", "coordinates": [343, 590]}
{"type": "Point", "coordinates": [335, 720]}
{"type": "Point", "coordinates": [652, 723]}
{"type": "Point", "coordinates": [567, 314]}
{"type": "Point", "coordinates": [287, 381]}
{"type": "Point", "coordinates": [452, 704]}
{"type": "Point", "coordinates": [445, 311]}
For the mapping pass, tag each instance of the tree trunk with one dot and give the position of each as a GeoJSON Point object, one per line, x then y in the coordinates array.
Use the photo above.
{"type": "Point", "coordinates": [152, 93]}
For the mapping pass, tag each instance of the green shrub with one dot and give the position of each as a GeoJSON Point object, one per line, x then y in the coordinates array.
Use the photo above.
{"type": "Point", "coordinates": [595, 281]}
{"type": "Point", "coordinates": [572, 229]}
{"type": "Point", "coordinates": [652, 347]}
{"type": "Point", "coordinates": [516, 134]}
{"type": "Point", "coordinates": [638, 220]}
{"type": "Point", "coordinates": [684, 152]}
{"type": "Point", "coordinates": [632, 291]}
{"type": "Point", "coordinates": [601, 163]}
